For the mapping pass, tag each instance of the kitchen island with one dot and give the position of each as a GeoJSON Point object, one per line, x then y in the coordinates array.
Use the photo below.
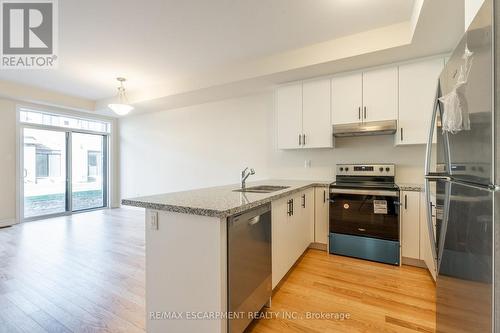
{"type": "Point", "coordinates": [186, 248]}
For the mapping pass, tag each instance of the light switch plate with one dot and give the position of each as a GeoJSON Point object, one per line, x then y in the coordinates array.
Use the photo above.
{"type": "Point", "coordinates": [153, 220]}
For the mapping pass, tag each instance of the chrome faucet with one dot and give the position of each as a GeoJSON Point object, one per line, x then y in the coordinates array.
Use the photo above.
{"type": "Point", "coordinates": [245, 175]}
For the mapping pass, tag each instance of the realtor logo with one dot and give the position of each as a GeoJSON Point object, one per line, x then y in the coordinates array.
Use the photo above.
{"type": "Point", "coordinates": [29, 34]}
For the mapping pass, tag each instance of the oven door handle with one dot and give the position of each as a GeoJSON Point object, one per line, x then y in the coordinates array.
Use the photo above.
{"type": "Point", "coordinates": [386, 193]}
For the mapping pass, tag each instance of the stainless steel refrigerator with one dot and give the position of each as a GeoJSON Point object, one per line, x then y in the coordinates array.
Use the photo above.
{"type": "Point", "coordinates": [462, 183]}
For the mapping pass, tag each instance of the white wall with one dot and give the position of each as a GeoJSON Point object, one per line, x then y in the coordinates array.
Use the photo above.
{"type": "Point", "coordinates": [208, 144]}
{"type": "Point", "coordinates": [471, 9]}
{"type": "Point", "coordinates": [7, 160]}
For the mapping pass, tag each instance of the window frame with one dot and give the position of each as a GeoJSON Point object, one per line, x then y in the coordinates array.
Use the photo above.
{"type": "Point", "coordinates": [107, 124]}
{"type": "Point", "coordinates": [107, 158]}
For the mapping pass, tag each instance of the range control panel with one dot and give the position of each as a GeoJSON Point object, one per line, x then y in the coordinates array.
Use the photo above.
{"type": "Point", "coordinates": [366, 170]}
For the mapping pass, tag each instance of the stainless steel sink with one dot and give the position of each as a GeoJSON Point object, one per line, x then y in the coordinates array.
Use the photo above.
{"type": "Point", "coordinates": [261, 189]}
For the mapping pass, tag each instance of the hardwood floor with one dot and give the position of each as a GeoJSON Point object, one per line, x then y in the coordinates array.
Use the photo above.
{"type": "Point", "coordinates": [377, 297]}
{"type": "Point", "coordinates": [85, 273]}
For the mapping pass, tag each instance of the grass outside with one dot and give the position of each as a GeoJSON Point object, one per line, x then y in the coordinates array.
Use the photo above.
{"type": "Point", "coordinates": [56, 203]}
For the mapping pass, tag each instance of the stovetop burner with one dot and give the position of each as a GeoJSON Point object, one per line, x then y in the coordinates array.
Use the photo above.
{"type": "Point", "coordinates": [369, 176]}
{"type": "Point", "coordinates": [385, 186]}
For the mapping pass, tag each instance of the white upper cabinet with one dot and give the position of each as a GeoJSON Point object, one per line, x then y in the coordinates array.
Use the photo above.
{"type": "Point", "coordinates": [347, 98]}
{"type": "Point", "coordinates": [367, 96]}
{"type": "Point", "coordinates": [417, 91]}
{"type": "Point", "coordinates": [306, 111]}
{"type": "Point", "coordinates": [316, 126]}
{"type": "Point", "coordinates": [303, 115]}
{"type": "Point", "coordinates": [380, 94]}
{"type": "Point", "coordinates": [289, 116]}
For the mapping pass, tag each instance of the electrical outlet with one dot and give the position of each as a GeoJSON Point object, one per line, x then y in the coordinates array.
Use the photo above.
{"type": "Point", "coordinates": [153, 220]}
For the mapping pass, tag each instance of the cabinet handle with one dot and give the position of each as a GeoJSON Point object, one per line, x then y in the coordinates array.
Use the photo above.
{"type": "Point", "coordinates": [300, 139]}
{"type": "Point", "coordinates": [288, 208]}
{"type": "Point", "coordinates": [359, 112]}
{"type": "Point", "coordinates": [303, 201]}
{"type": "Point", "coordinates": [401, 133]}
{"type": "Point", "coordinates": [291, 205]}
{"type": "Point", "coordinates": [406, 201]}
{"type": "Point", "coordinates": [304, 139]}
{"type": "Point", "coordinates": [365, 111]}
{"type": "Point", "coordinates": [324, 196]}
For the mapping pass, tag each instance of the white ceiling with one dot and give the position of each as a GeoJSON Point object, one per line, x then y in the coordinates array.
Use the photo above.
{"type": "Point", "coordinates": [157, 42]}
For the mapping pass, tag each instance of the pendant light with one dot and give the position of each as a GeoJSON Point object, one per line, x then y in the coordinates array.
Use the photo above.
{"type": "Point", "coordinates": [122, 107]}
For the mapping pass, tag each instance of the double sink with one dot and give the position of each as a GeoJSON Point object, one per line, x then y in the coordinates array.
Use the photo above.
{"type": "Point", "coordinates": [261, 189]}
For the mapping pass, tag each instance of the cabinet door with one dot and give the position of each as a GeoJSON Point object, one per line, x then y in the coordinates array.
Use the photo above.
{"type": "Point", "coordinates": [417, 91]}
{"type": "Point", "coordinates": [347, 98]}
{"type": "Point", "coordinates": [297, 228]}
{"type": "Point", "coordinates": [280, 239]}
{"type": "Point", "coordinates": [380, 94]}
{"type": "Point", "coordinates": [410, 224]}
{"type": "Point", "coordinates": [425, 242]}
{"type": "Point", "coordinates": [316, 126]}
{"type": "Point", "coordinates": [307, 205]}
{"type": "Point", "coordinates": [321, 204]}
{"type": "Point", "coordinates": [288, 103]}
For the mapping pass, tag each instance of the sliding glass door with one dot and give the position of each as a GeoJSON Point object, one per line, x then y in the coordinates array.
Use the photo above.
{"type": "Point", "coordinates": [44, 172]}
{"type": "Point", "coordinates": [88, 171]}
{"type": "Point", "coordinates": [63, 172]}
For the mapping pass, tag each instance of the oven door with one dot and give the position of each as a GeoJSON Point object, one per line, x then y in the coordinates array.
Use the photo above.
{"type": "Point", "coordinates": [365, 212]}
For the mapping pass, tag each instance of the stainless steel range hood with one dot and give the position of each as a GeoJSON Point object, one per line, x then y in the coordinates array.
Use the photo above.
{"type": "Point", "coordinates": [385, 127]}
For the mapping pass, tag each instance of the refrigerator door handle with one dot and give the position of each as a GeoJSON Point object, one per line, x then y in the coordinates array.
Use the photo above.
{"type": "Point", "coordinates": [444, 224]}
{"type": "Point", "coordinates": [435, 177]}
{"type": "Point", "coordinates": [428, 148]}
{"type": "Point", "coordinates": [430, 224]}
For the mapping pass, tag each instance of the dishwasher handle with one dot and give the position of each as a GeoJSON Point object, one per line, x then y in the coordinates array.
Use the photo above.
{"type": "Point", "coordinates": [254, 220]}
{"type": "Point", "coordinates": [251, 216]}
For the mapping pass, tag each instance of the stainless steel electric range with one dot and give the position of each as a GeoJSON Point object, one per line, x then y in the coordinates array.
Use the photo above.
{"type": "Point", "coordinates": [364, 213]}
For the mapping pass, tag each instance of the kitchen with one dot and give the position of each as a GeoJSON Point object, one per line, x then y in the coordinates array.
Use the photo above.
{"type": "Point", "coordinates": [166, 229]}
{"type": "Point", "coordinates": [341, 186]}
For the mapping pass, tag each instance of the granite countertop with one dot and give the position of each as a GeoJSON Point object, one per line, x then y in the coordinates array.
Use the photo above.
{"type": "Point", "coordinates": [411, 187]}
{"type": "Point", "coordinates": [220, 201]}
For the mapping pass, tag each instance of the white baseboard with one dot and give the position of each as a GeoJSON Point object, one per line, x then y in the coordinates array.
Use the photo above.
{"type": "Point", "coordinates": [7, 222]}
{"type": "Point", "coordinates": [319, 246]}
{"type": "Point", "coordinates": [413, 262]}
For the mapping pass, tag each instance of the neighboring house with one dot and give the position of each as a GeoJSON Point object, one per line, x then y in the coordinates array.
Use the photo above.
{"type": "Point", "coordinates": [44, 165]}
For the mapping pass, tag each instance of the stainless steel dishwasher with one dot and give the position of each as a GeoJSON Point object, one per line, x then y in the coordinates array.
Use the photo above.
{"type": "Point", "coordinates": [249, 265]}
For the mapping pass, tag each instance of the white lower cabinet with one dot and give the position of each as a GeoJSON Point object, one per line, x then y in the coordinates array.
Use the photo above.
{"type": "Point", "coordinates": [292, 231]}
{"type": "Point", "coordinates": [415, 241]}
{"type": "Point", "coordinates": [321, 215]}
{"type": "Point", "coordinates": [410, 224]}
{"type": "Point", "coordinates": [308, 217]}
